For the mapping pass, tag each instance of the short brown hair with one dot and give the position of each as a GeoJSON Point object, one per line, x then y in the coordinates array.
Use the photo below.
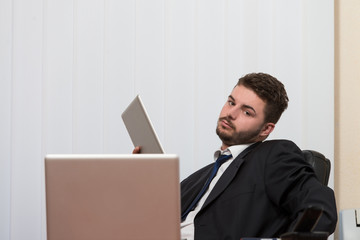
{"type": "Point", "coordinates": [270, 90]}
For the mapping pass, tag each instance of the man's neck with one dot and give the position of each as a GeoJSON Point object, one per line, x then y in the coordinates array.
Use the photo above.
{"type": "Point", "coordinates": [223, 147]}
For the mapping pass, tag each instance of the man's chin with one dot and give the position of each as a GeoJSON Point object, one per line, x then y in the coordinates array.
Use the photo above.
{"type": "Point", "coordinates": [225, 138]}
{"type": "Point", "coordinates": [224, 130]}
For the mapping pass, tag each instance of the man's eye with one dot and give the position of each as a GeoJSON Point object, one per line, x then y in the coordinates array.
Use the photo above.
{"type": "Point", "coordinates": [231, 103]}
{"type": "Point", "coordinates": [247, 113]}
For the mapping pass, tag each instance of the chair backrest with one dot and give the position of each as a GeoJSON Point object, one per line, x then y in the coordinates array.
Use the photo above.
{"type": "Point", "coordinates": [320, 163]}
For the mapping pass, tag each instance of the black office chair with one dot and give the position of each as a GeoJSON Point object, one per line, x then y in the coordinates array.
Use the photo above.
{"type": "Point", "coordinates": [322, 168]}
{"type": "Point", "coordinates": [320, 163]}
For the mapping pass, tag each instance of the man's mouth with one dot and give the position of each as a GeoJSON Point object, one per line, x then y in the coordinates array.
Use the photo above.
{"type": "Point", "coordinates": [225, 123]}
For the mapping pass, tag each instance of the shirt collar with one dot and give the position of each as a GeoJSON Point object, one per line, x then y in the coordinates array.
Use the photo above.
{"type": "Point", "coordinates": [235, 150]}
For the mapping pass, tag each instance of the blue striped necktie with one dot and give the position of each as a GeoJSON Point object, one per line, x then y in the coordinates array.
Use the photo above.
{"type": "Point", "coordinates": [221, 159]}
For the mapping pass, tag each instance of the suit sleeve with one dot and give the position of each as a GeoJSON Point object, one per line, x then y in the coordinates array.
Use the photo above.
{"type": "Point", "coordinates": [292, 185]}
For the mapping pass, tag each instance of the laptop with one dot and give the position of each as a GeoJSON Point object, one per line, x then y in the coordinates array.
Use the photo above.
{"type": "Point", "coordinates": [132, 196]}
{"type": "Point", "coordinates": [140, 128]}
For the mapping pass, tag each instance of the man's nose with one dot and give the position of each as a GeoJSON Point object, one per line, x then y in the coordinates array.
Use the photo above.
{"type": "Point", "coordinates": [232, 113]}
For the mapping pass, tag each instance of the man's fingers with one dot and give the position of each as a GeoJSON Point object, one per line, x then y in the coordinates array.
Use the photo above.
{"type": "Point", "coordinates": [137, 150]}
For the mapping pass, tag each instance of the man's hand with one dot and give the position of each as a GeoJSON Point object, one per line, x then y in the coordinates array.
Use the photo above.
{"type": "Point", "coordinates": [137, 150]}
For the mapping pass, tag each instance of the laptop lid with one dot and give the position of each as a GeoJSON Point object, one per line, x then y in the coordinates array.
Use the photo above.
{"type": "Point", "coordinates": [140, 128]}
{"type": "Point", "coordinates": [133, 196]}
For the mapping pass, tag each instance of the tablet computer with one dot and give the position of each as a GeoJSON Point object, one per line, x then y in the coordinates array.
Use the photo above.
{"type": "Point", "coordinates": [140, 128]}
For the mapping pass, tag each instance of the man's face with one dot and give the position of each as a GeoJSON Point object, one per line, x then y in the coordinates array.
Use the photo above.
{"type": "Point", "coordinates": [241, 120]}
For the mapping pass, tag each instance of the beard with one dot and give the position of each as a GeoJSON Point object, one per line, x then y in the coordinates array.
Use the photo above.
{"type": "Point", "coordinates": [234, 137]}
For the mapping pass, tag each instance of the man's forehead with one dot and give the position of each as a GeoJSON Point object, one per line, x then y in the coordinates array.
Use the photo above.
{"type": "Point", "coordinates": [242, 92]}
{"type": "Point", "coordinates": [245, 96]}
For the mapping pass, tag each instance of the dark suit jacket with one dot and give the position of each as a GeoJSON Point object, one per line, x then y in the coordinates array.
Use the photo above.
{"type": "Point", "coordinates": [260, 194]}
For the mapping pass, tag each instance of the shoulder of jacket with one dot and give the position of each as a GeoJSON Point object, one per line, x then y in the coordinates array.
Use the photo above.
{"type": "Point", "coordinates": [278, 145]}
{"type": "Point", "coordinates": [278, 142]}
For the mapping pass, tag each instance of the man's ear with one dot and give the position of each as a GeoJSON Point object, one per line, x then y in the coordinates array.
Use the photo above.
{"type": "Point", "coordinates": [267, 129]}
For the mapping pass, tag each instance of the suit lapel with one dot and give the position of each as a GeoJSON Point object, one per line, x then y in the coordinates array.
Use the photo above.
{"type": "Point", "coordinates": [191, 192]}
{"type": "Point", "coordinates": [228, 175]}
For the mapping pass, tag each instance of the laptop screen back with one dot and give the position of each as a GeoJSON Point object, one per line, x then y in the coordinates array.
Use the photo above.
{"type": "Point", "coordinates": [133, 196]}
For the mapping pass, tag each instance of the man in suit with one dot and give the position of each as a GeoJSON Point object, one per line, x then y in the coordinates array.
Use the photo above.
{"type": "Point", "coordinates": [263, 186]}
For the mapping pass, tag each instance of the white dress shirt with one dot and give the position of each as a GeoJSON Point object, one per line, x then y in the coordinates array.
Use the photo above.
{"type": "Point", "coordinates": [187, 226]}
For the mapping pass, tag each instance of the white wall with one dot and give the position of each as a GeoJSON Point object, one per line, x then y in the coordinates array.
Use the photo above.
{"type": "Point", "coordinates": [347, 113]}
{"type": "Point", "coordinates": [69, 68]}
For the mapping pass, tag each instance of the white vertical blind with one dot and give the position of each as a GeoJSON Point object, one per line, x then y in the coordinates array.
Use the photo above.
{"type": "Point", "coordinates": [5, 116]}
{"type": "Point", "coordinates": [26, 120]}
{"type": "Point", "coordinates": [69, 68]}
{"type": "Point", "coordinates": [88, 78]}
{"type": "Point", "coordinates": [58, 74]}
{"type": "Point", "coordinates": [318, 76]}
{"type": "Point", "coordinates": [119, 71]}
{"type": "Point", "coordinates": [180, 80]}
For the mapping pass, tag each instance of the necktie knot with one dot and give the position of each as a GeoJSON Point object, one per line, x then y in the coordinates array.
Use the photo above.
{"type": "Point", "coordinates": [223, 158]}
{"type": "Point", "coordinates": [220, 160]}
